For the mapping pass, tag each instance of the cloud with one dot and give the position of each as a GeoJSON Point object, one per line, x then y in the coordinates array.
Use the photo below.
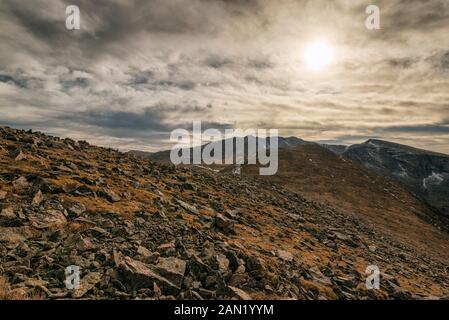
{"type": "Point", "coordinates": [10, 79]}
{"type": "Point", "coordinates": [422, 128]}
{"type": "Point", "coordinates": [217, 62]}
{"type": "Point", "coordinates": [444, 60]}
{"type": "Point", "coordinates": [159, 118]}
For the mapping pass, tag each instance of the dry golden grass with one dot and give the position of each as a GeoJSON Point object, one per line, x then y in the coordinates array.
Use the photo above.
{"type": "Point", "coordinates": [7, 293]}
{"type": "Point", "coordinates": [318, 289]}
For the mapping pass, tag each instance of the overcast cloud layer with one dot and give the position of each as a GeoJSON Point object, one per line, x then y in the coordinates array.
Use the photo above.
{"type": "Point", "coordinates": [138, 69]}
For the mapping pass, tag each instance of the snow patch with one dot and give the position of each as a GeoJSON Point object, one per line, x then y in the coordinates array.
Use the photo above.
{"type": "Point", "coordinates": [371, 143]}
{"type": "Point", "coordinates": [434, 178]}
{"type": "Point", "coordinates": [402, 173]}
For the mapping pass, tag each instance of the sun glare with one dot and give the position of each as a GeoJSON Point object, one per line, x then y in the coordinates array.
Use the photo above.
{"type": "Point", "coordinates": [318, 55]}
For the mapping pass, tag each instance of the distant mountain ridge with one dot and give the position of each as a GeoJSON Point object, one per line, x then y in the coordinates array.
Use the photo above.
{"type": "Point", "coordinates": [424, 173]}
{"type": "Point", "coordinates": [283, 143]}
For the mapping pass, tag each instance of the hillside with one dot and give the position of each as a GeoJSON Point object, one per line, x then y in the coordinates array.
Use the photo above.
{"type": "Point", "coordinates": [139, 229]}
{"type": "Point", "coordinates": [320, 175]}
{"type": "Point", "coordinates": [425, 173]}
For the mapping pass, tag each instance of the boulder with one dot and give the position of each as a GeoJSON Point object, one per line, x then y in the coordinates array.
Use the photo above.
{"type": "Point", "coordinates": [76, 209]}
{"type": "Point", "coordinates": [147, 256]}
{"type": "Point", "coordinates": [86, 284]}
{"type": "Point", "coordinates": [284, 255]}
{"type": "Point", "coordinates": [17, 154]}
{"type": "Point", "coordinates": [8, 218]}
{"type": "Point", "coordinates": [37, 199]}
{"type": "Point", "coordinates": [319, 277]}
{"type": "Point", "coordinates": [137, 275]}
{"type": "Point", "coordinates": [48, 219]}
{"type": "Point", "coordinates": [238, 279]}
{"type": "Point", "coordinates": [84, 244]}
{"type": "Point", "coordinates": [223, 263]}
{"type": "Point", "coordinates": [239, 293]}
{"type": "Point", "coordinates": [233, 214]}
{"type": "Point", "coordinates": [187, 206]}
{"type": "Point", "coordinates": [254, 264]}
{"type": "Point", "coordinates": [172, 269]}
{"type": "Point", "coordinates": [21, 184]}
{"type": "Point", "coordinates": [224, 224]}
{"type": "Point", "coordinates": [110, 195]}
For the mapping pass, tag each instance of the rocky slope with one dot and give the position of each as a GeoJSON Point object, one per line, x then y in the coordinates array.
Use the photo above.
{"type": "Point", "coordinates": [320, 175]}
{"type": "Point", "coordinates": [138, 229]}
{"type": "Point", "coordinates": [424, 173]}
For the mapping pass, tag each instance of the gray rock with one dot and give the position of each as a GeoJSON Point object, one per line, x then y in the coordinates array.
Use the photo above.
{"type": "Point", "coordinates": [238, 279]}
{"type": "Point", "coordinates": [84, 244]}
{"type": "Point", "coordinates": [210, 281]}
{"type": "Point", "coordinates": [187, 206]}
{"type": "Point", "coordinates": [77, 209]}
{"type": "Point", "coordinates": [37, 199]}
{"type": "Point", "coordinates": [157, 291]}
{"type": "Point", "coordinates": [8, 218]}
{"type": "Point", "coordinates": [284, 255]}
{"type": "Point", "coordinates": [48, 219]}
{"type": "Point", "coordinates": [167, 246]}
{"type": "Point", "coordinates": [224, 224]}
{"type": "Point", "coordinates": [160, 214]}
{"type": "Point", "coordinates": [137, 275]}
{"type": "Point", "coordinates": [110, 195]}
{"type": "Point", "coordinates": [254, 264]}
{"type": "Point", "coordinates": [17, 154]}
{"type": "Point", "coordinates": [21, 184]}
{"type": "Point", "coordinates": [86, 284]}
{"type": "Point", "coordinates": [319, 277]}
{"type": "Point", "coordinates": [233, 214]}
{"type": "Point", "coordinates": [73, 166]}
{"type": "Point", "coordinates": [172, 269]}
{"type": "Point", "coordinates": [147, 255]}
{"type": "Point", "coordinates": [239, 293]}
{"type": "Point", "coordinates": [223, 263]}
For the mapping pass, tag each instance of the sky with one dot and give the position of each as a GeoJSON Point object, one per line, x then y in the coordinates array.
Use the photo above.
{"type": "Point", "coordinates": [136, 70]}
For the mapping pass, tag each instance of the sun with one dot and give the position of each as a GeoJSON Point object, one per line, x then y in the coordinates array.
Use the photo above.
{"type": "Point", "coordinates": [318, 55]}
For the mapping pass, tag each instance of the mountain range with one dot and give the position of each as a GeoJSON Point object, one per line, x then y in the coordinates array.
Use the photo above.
{"type": "Point", "coordinates": [423, 173]}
